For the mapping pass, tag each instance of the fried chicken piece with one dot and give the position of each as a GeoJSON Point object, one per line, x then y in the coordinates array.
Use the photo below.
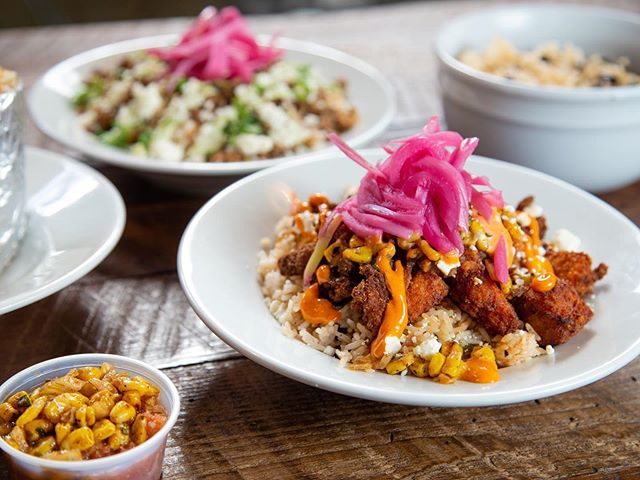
{"type": "Point", "coordinates": [344, 277]}
{"type": "Point", "coordinates": [474, 292]}
{"type": "Point", "coordinates": [575, 268]}
{"type": "Point", "coordinates": [425, 290]}
{"type": "Point", "coordinates": [556, 315]}
{"type": "Point", "coordinates": [293, 262]}
{"type": "Point", "coordinates": [371, 297]}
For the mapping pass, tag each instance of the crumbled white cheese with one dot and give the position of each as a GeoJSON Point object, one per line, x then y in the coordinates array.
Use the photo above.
{"type": "Point", "coordinates": [165, 149]}
{"type": "Point", "coordinates": [563, 239]}
{"type": "Point", "coordinates": [284, 72]}
{"type": "Point", "coordinates": [534, 210]}
{"type": "Point", "coordinates": [392, 345]}
{"type": "Point", "coordinates": [146, 100]}
{"type": "Point", "coordinates": [445, 267]}
{"type": "Point", "coordinates": [477, 281]}
{"type": "Point", "coordinates": [509, 208]}
{"type": "Point", "coordinates": [210, 138]}
{"type": "Point", "coordinates": [251, 144]}
{"type": "Point", "coordinates": [523, 219]}
{"type": "Point", "coordinates": [284, 130]}
{"type": "Point", "coordinates": [429, 347]}
{"type": "Point", "coordinates": [195, 92]}
{"type": "Point", "coordinates": [550, 350]}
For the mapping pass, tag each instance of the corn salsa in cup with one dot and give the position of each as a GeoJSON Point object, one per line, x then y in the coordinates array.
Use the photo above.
{"type": "Point", "coordinates": [88, 413]}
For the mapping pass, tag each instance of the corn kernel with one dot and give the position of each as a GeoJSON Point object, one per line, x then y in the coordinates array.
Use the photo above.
{"type": "Point", "coordinates": [87, 373]}
{"type": "Point", "coordinates": [405, 244]}
{"type": "Point", "coordinates": [435, 364]}
{"type": "Point", "coordinates": [482, 243]}
{"type": "Point", "coordinates": [120, 437]}
{"type": "Point", "coordinates": [85, 416]}
{"type": "Point", "coordinates": [358, 254]}
{"type": "Point", "coordinates": [32, 412]}
{"type": "Point", "coordinates": [80, 439]}
{"type": "Point", "coordinates": [420, 368]}
{"type": "Point", "coordinates": [355, 241]}
{"type": "Point", "coordinates": [37, 429]}
{"type": "Point", "coordinates": [63, 403]}
{"type": "Point", "coordinates": [106, 368]}
{"type": "Point", "coordinates": [62, 430]}
{"type": "Point", "coordinates": [7, 412]}
{"type": "Point", "coordinates": [132, 398]}
{"type": "Point", "coordinates": [122, 412]}
{"type": "Point", "coordinates": [413, 253]}
{"type": "Point", "coordinates": [453, 365]}
{"type": "Point", "coordinates": [19, 400]}
{"type": "Point", "coordinates": [102, 403]}
{"type": "Point", "coordinates": [332, 251]}
{"type": "Point", "coordinates": [139, 430]}
{"type": "Point", "coordinates": [103, 429]}
{"type": "Point", "coordinates": [44, 446]}
{"type": "Point", "coordinates": [397, 366]}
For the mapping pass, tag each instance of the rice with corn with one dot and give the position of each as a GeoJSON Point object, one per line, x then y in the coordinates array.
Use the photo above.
{"type": "Point", "coordinates": [349, 340]}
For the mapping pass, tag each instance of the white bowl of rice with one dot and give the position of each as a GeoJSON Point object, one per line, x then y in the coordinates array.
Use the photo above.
{"type": "Point", "coordinates": [580, 123]}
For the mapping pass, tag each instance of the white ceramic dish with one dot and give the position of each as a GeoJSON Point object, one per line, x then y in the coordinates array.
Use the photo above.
{"type": "Point", "coordinates": [586, 136]}
{"type": "Point", "coordinates": [50, 107]}
{"type": "Point", "coordinates": [75, 218]}
{"type": "Point", "coordinates": [143, 462]}
{"type": "Point", "coordinates": [217, 268]}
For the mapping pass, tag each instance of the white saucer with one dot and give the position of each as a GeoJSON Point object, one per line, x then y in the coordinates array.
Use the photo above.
{"type": "Point", "coordinates": [76, 217]}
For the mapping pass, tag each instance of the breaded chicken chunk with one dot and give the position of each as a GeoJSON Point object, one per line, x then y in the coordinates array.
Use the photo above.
{"type": "Point", "coordinates": [371, 297]}
{"type": "Point", "coordinates": [425, 290]}
{"type": "Point", "coordinates": [556, 315]}
{"type": "Point", "coordinates": [294, 262]}
{"type": "Point", "coordinates": [474, 292]}
{"type": "Point", "coordinates": [575, 268]}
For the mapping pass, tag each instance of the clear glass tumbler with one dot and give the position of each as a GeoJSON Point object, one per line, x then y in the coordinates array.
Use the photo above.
{"type": "Point", "coordinates": [12, 177]}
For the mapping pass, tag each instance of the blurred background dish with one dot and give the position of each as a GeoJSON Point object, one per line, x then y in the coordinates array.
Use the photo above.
{"type": "Point", "coordinates": [50, 106]}
{"type": "Point", "coordinates": [586, 135]}
{"type": "Point", "coordinates": [76, 217]}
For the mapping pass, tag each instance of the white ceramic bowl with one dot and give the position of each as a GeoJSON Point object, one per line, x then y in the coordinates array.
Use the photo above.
{"type": "Point", "coordinates": [217, 265]}
{"type": "Point", "coordinates": [143, 462]}
{"type": "Point", "coordinates": [49, 103]}
{"type": "Point", "coordinates": [587, 136]}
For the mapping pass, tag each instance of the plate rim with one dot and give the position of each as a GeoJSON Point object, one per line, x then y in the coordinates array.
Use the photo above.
{"type": "Point", "coordinates": [101, 252]}
{"type": "Point", "coordinates": [480, 399]}
{"type": "Point", "coordinates": [128, 161]}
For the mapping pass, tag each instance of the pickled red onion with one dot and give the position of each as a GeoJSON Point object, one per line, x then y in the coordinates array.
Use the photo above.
{"type": "Point", "coordinates": [218, 45]}
{"type": "Point", "coordinates": [420, 188]}
{"type": "Point", "coordinates": [500, 261]}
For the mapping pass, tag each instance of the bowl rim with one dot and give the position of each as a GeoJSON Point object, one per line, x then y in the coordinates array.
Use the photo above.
{"type": "Point", "coordinates": [515, 88]}
{"type": "Point", "coordinates": [87, 359]}
{"type": "Point", "coordinates": [123, 159]}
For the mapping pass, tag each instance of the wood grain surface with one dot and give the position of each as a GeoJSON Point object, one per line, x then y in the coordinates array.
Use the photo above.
{"type": "Point", "coordinates": [242, 421]}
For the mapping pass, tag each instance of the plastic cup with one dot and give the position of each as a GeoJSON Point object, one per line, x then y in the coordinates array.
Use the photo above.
{"type": "Point", "coordinates": [143, 462]}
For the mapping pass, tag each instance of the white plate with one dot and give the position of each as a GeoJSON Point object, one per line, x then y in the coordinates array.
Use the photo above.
{"type": "Point", "coordinates": [50, 106]}
{"type": "Point", "coordinates": [76, 217]}
{"type": "Point", "coordinates": [217, 268]}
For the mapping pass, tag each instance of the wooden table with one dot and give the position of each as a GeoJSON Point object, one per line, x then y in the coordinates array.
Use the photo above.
{"type": "Point", "coordinates": [240, 420]}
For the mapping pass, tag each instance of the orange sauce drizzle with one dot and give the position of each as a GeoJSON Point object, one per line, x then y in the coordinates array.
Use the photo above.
{"type": "Point", "coordinates": [496, 229]}
{"type": "Point", "coordinates": [480, 370]}
{"type": "Point", "coordinates": [316, 310]}
{"type": "Point", "coordinates": [544, 278]}
{"type": "Point", "coordinates": [323, 274]}
{"type": "Point", "coordinates": [395, 315]}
